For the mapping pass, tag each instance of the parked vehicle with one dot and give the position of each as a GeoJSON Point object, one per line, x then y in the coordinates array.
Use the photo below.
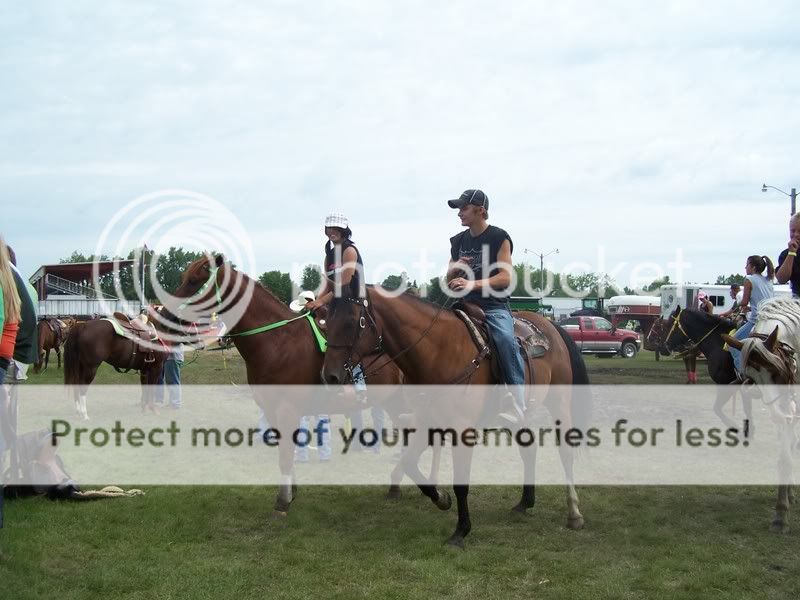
{"type": "Point", "coordinates": [596, 335]}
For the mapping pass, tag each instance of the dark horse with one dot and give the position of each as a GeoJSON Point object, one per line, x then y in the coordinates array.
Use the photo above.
{"type": "Point", "coordinates": [91, 343]}
{"type": "Point", "coordinates": [692, 331]}
{"type": "Point", "coordinates": [433, 346]}
{"type": "Point", "coordinates": [655, 339]}
{"type": "Point", "coordinates": [285, 355]}
{"type": "Point", "coordinates": [52, 334]}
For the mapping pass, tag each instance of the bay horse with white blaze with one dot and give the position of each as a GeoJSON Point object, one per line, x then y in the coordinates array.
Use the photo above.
{"type": "Point", "coordinates": [433, 346]}
{"type": "Point", "coordinates": [278, 347]}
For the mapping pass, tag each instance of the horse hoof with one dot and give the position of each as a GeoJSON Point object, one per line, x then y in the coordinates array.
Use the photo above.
{"type": "Point", "coordinates": [575, 523]}
{"type": "Point", "coordinates": [443, 502]}
{"type": "Point", "coordinates": [520, 510]}
{"type": "Point", "coordinates": [393, 493]}
{"type": "Point", "coordinates": [279, 515]}
{"type": "Point", "coordinates": [779, 527]}
{"type": "Point", "coordinates": [456, 541]}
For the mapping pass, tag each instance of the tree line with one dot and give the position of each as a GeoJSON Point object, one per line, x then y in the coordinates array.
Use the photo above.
{"type": "Point", "coordinates": [170, 265]}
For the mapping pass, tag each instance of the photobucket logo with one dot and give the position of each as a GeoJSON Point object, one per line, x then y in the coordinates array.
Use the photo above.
{"type": "Point", "coordinates": [156, 222]}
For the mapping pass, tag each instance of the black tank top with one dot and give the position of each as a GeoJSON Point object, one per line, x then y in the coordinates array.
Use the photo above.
{"type": "Point", "coordinates": [333, 262]}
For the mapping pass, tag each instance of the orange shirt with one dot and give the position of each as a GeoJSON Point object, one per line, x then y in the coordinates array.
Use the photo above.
{"type": "Point", "coordinates": [8, 339]}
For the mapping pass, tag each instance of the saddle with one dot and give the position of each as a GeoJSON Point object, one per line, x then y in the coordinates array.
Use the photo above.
{"type": "Point", "coordinates": [531, 341]}
{"type": "Point", "coordinates": [140, 333]}
{"type": "Point", "coordinates": [58, 327]}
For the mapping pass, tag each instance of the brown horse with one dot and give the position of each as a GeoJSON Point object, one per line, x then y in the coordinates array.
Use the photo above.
{"type": "Point", "coordinates": [286, 355]}
{"type": "Point", "coordinates": [52, 334]}
{"type": "Point", "coordinates": [433, 346]}
{"type": "Point", "coordinates": [91, 343]}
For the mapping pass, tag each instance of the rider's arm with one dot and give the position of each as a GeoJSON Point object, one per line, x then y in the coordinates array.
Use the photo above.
{"type": "Point", "coordinates": [784, 272]}
{"type": "Point", "coordinates": [502, 279]}
{"type": "Point", "coordinates": [349, 262]}
{"type": "Point", "coordinates": [748, 287]}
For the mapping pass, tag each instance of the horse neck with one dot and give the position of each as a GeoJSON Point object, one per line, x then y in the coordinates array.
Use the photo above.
{"type": "Point", "coordinates": [720, 363]}
{"type": "Point", "coordinates": [262, 308]}
{"type": "Point", "coordinates": [403, 322]}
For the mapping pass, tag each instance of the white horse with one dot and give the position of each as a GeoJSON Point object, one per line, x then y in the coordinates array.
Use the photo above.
{"type": "Point", "coordinates": [769, 358]}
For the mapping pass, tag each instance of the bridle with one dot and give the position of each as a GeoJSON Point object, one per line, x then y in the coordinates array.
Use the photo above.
{"type": "Point", "coordinates": [692, 344]}
{"type": "Point", "coordinates": [365, 319]}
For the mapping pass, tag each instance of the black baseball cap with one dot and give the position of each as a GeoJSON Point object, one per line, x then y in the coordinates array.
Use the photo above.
{"type": "Point", "coordinates": [476, 197]}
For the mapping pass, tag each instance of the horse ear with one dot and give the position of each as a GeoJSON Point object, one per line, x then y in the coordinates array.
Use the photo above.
{"type": "Point", "coordinates": [772, 339]}
{"type": "Point", "coordinates": [732, 341]}
{"type": "Point", "coordinates": [219, 260]}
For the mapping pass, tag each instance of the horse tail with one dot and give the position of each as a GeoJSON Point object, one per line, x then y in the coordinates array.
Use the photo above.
{"type": "Point", "coordinates": [37, 364]}
{"type": "Point", "coordinates": [72, 359]}
{"type": "Point", "coordinates": [581, 402]}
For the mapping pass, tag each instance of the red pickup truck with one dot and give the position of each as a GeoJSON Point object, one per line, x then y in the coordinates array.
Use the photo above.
{"type": "Point", "coordinates": [595, 335]}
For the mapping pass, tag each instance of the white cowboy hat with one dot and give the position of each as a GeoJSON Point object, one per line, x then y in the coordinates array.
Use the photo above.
{"type": "Point", "coordinates": [337, 220]}
{"type": "Point", "coordinates": [300, 302]}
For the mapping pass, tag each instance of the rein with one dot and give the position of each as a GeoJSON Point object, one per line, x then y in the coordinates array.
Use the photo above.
{"type": "Point", "coordinates": [676, 323]}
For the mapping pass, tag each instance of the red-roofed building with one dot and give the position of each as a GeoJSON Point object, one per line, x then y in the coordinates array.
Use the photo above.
{"type": "Point", "coordinates": [66, 289]}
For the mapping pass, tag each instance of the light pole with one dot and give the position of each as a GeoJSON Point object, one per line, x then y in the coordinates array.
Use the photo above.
{"type": "Point", "coordinates": [541, 256]}
{"type": "Point", "coordinates": [792, 195]}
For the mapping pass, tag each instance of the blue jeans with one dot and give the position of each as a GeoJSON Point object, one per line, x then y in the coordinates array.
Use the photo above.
{"type": "Point", "coordinates": [357, 421]}
{"type": "Point", "coordinates": [324, 448]}
{"type": "Point", "coordinates": [501, 327]}
{"type": "Point", "coordinates": [359, 381]}
{"type": "Point", "coordinates": [740, 334]}
{"type": "Point", "coordinates": [171, 375]}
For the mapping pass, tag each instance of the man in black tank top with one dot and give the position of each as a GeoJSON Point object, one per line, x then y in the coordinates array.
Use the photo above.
{"type": "Point", "coordinates": [480, 263]}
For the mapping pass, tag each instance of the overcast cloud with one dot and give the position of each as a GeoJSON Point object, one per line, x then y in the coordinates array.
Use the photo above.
{"type": "Point", "coordinates": [638, 127]}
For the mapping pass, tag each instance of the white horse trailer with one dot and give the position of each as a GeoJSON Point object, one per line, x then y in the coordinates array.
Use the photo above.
{"type": "Point", "coordinates": [685, 296]}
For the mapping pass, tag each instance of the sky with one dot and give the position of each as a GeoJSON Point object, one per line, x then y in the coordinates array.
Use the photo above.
{"type": "Point", "coordinates": [620, 133]}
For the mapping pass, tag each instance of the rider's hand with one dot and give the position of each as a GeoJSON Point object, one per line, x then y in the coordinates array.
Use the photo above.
{"type": "Point", "coordinates": [459, 283]}
{"type": "Point", "coordinates": [313, 305]}
{"type": "Point", "coordinates": [793, 245]}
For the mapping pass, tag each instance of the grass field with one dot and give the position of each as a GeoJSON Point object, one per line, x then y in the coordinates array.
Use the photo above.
{"type": "Point", "coordinates": [208, 542]}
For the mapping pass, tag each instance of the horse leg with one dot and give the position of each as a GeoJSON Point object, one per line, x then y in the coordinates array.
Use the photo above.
{"type": "Point", "coordinates": [528, 455]}
{"type": "Point", "coordinates": [779, 522]}
{"type": "Point", "coordinates": [724, 394]}
{"type": "Point", "coordinates": [462, 465]}
{"type": "Point", "coordinates": [58, 355]}
{"type": "Point", "coordinates": [574, 517]}
{"type": "Point", "coordinates": [410, 462]}
{"type": "Point", "coordinates": [46, 358]}
{"type": "Point", "coordinates": [287, 488]}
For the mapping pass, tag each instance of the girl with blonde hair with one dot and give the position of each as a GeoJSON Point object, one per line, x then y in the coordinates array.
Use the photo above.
{"type": "Point", "coordinates": [9, 310]}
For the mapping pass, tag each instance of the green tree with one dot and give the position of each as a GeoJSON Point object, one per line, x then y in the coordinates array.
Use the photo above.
{"type": "Point", "coordinates": [656, 284]}
{"type": "Point", "coordinates": [311, 278]}
{"type": "Point", "coordinates": [393, 282]}
{"type": "Point", "coordinates": [729, 279]}
{"type": "Point", "coordinates": [171, 265]}
{"type": "Point", "coordinates": [279, 284]}
{"type": "Point", "coordinates": [433, 292]}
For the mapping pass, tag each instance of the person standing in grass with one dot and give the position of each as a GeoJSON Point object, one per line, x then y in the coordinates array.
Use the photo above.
{"type": "Point", "coordinates": [9, 325]}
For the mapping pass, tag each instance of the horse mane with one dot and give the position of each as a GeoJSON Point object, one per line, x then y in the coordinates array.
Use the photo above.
{"type": "Point", "coordinates": [784, 310]}
{"type": "Point", "coordinates": [709, 318]}
{"type": "Point", "coordinates": [197, 264]}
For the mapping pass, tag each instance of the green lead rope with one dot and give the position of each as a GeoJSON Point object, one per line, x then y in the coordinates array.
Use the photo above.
{"type": "Point", "coordinates": [321, 342]}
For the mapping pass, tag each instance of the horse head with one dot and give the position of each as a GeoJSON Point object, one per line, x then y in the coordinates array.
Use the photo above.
{"type": "Point", "coordinates": [203, 289]}
{"type": "Point", "coordinates": [352, 334]}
